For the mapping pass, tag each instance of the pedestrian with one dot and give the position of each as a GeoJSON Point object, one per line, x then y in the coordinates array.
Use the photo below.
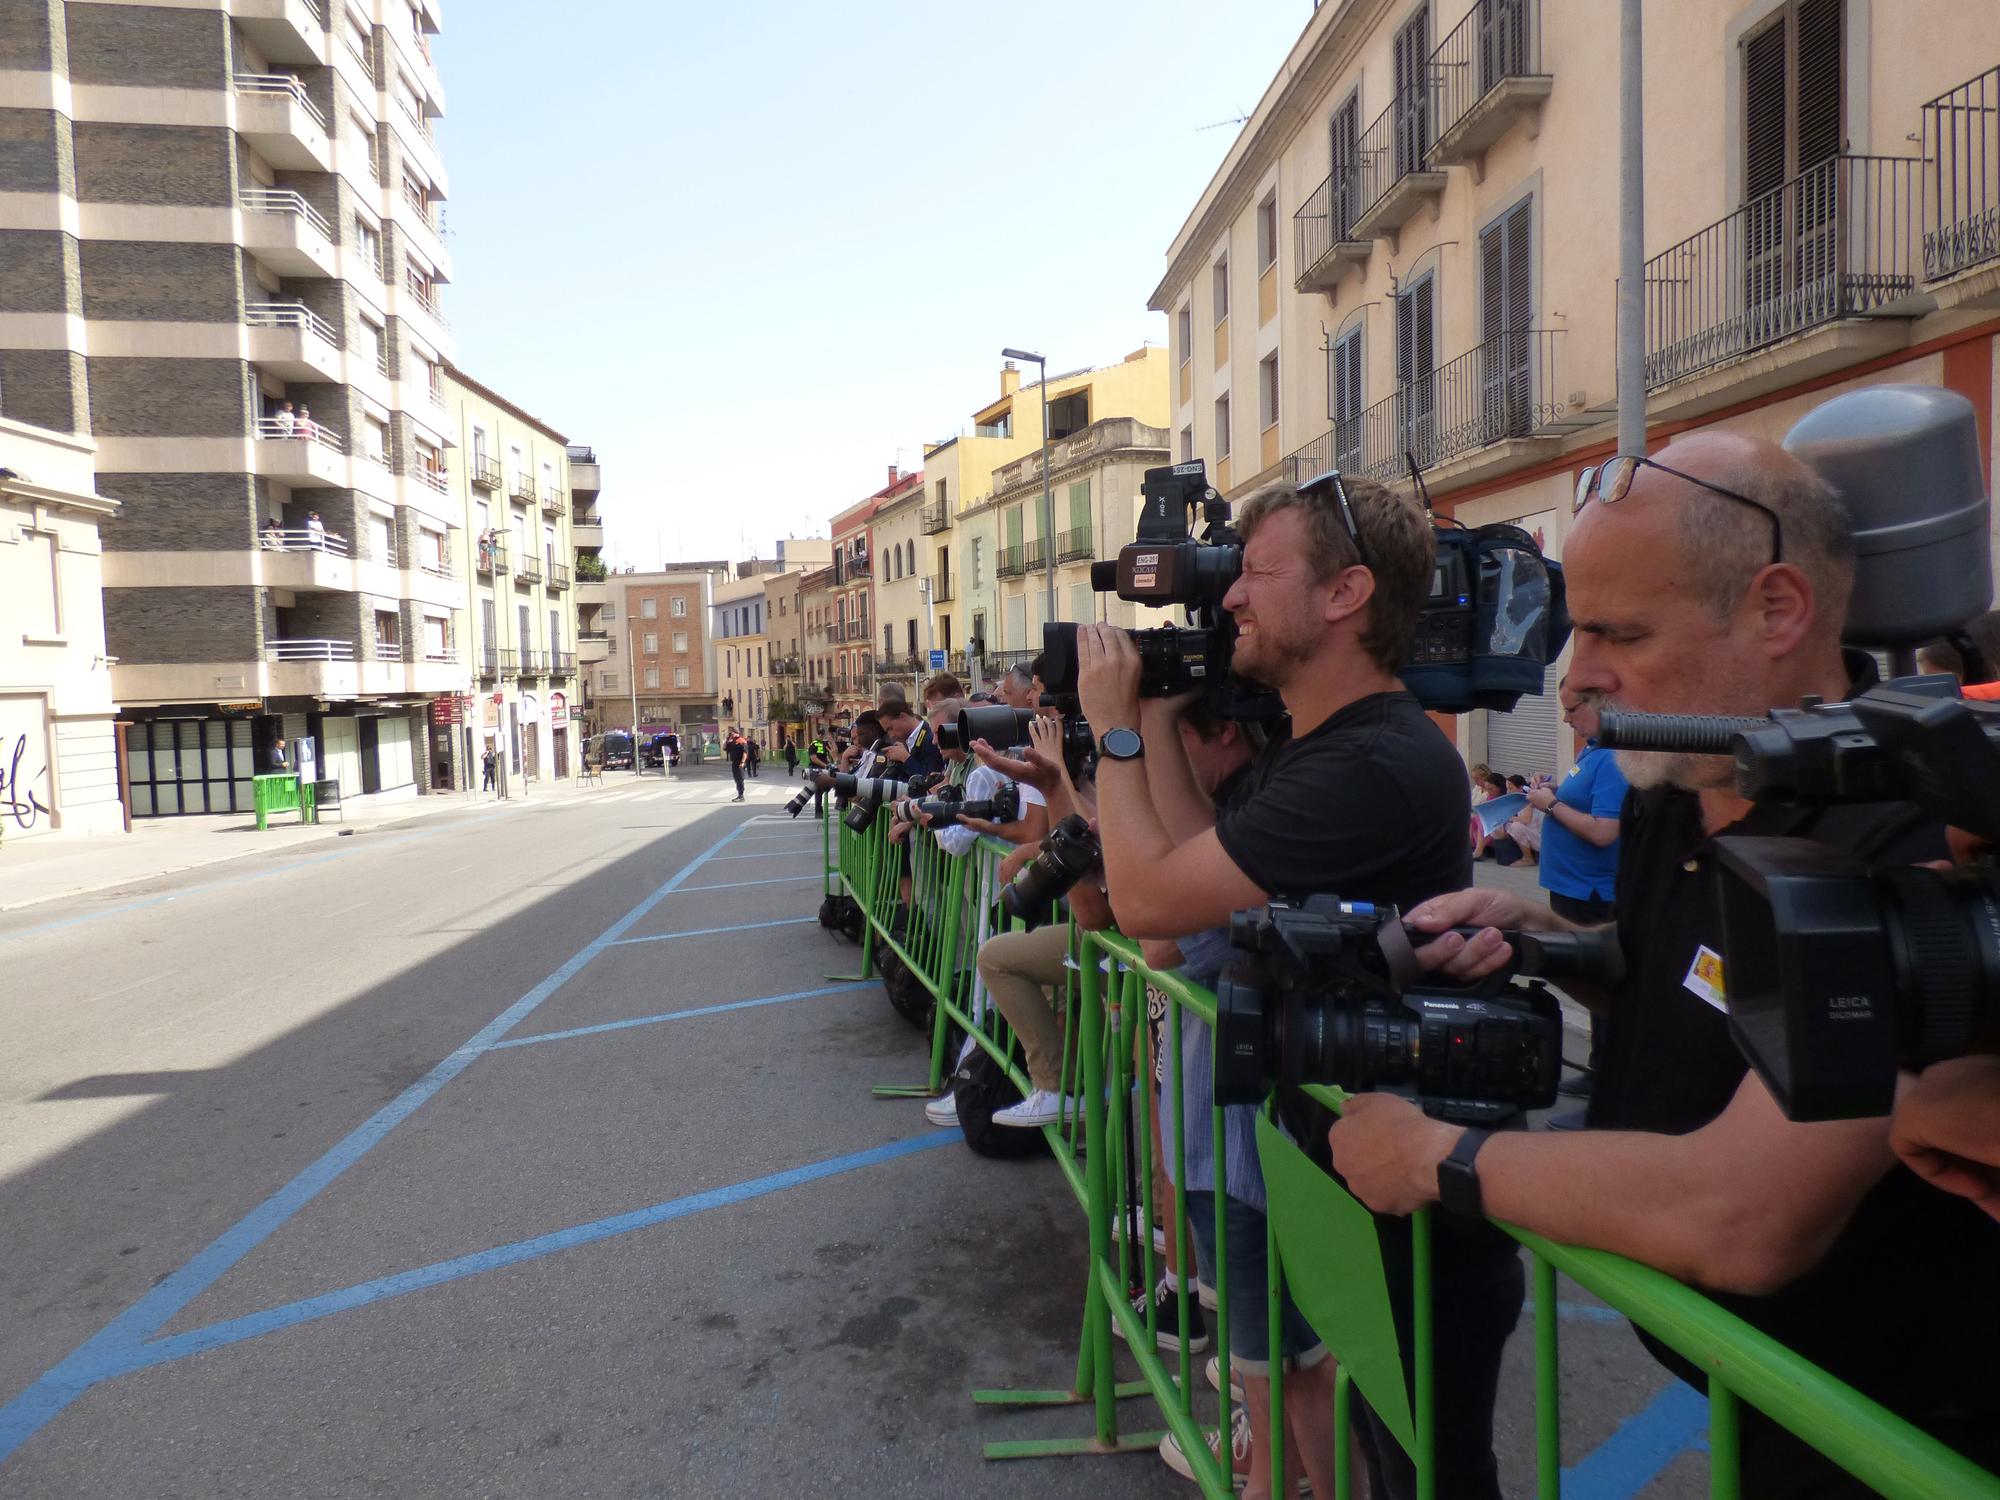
{"type": "Point", "coordinates": [791, 756]}
{"type": "Point", "coordinates": [486, 763]}
{"type": "Point", "coordinates": [756, 759]}
{"type": "Point", "coordinates": [737, 752]}
{"type": "Point", "coordinates": [281, 759]}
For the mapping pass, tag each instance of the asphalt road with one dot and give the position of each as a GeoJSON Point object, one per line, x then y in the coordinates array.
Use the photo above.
{"type": "Point", "coordinates": [427, 1164]}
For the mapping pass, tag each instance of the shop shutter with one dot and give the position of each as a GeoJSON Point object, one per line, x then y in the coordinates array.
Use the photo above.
{"type": "Point", "coordinates": [1523, 742]}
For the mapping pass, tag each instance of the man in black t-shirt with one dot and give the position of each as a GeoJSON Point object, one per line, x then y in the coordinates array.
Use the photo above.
{"type": "Point", "coordinates": [1716, 582]}
{"type": "Point", "coordinates": [1366, 800]}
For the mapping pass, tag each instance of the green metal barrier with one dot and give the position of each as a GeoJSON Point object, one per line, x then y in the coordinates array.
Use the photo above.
{"type": "Point", "coordinates": [1322, 1242]}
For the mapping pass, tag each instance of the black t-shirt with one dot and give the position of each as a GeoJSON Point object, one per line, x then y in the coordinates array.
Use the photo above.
{"type": "Point", "coordinates": [735, 750]}
{"type": "Point", "coordinates": [1371, 805]}
{"type": "Point", "coordinates": [1906, 1304]}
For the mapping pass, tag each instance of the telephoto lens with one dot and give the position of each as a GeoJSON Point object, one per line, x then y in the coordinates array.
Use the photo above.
{"type": "Point", "coordinates": [1004, 806]}
{"type": "Point", "coordinates": [800, 799]}
{"type": "Point", "coordinates": [1000, 726]}
{"type": "Point", "coordinates": [1069, 852]}
{"type": "Point", "coordinates": [948, 737]}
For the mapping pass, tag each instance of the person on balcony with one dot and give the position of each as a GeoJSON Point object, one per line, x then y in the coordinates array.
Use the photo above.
{"type": "Point", "coordinates": [315, 531]}
{"type": "Point", "coordinates": [284, 419]}
{"type": "Point", "coordinates": [302, 427]}
{"type": "Point", "coordinates": [274, 537]}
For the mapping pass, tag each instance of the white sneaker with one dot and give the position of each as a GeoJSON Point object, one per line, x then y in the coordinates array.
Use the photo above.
{"type": "Point", "coordinates": [1213, 1370]}
{"type": "Point", "coordinates": [1040, 1108]}
{"type": "Point", "coordinates": [943, 1110]}
{"type": "Point", "coordinates": [1239, 1449]}
{"type": "Point", "coordinates": [1205, 1294]}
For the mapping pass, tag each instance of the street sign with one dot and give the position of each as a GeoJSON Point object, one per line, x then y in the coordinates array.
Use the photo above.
{"type": "Point", "coordinates": [937, 661]}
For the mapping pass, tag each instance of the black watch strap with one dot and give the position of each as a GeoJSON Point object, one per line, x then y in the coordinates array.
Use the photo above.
{"type": "Point", "coordinates": [1458, 1180]}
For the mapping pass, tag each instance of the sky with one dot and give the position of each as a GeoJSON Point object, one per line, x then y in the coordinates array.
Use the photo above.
{"type": "Point", "coordinates": [756, 253]}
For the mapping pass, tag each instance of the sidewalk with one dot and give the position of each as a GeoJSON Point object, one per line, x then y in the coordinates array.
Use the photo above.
{"type": "Point", "coordinates": [53, 866]}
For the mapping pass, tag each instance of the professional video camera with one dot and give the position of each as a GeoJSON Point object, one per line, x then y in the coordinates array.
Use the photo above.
{"type": "Point", "coordinates": [1331, 993]}
{"type": "Point", "coordinates": [1003, 728]}
{"type": "Point", "coordinates": [1069, 852]}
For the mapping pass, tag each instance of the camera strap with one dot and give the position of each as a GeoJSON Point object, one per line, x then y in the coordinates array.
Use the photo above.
{"type": "Point", "coordinates": [1398, 953]}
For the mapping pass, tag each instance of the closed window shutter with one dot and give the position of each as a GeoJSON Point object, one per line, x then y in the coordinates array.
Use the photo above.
{"type": "Point", "coordinates": [1347, 403]}
{"type": "Point", "coordinates": [1346, 128]}
{"type": "Point", "coordinates": [1412, 55]}
{"type": "Point", "coordinates": [1764, 111]}
{"type": "Point", "coordinates": [1819, 69]}
{"type": "Point", "coordinates": [1493, 281]}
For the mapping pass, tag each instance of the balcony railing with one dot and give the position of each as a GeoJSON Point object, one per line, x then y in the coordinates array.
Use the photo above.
{"type": "Point", "coordinates": [561, 663]}
{"type": "Point", "coordinates": [1000, 661]}
{"type": "Point", "coordinates": [307, 540]}
{"type": "Point", "coordinates": [523, 488]}
{"type": "Point", "coordinates": [489, 559]}
{"type": "Point", "coordinates": [485, 472]}
{"type": "Point", "coordinates": [299, 431]}
{"type": "Point", "coordinates": [1071, 545]}
{"type": "Point", "coordinates": [1323, 240]}
{"type": "Point", "coordinates": [558, 575]}
{"type": "Point", "coordinates": [528, 569]}
{"type": "Point", "coordinates": [433, 475]}
{"type": "Point", "coordinates": [441, 655]}
{"type": "Point", "coordinates": [1839, 241]}
{"type": "Point", "coordinates": [309, 650]}
{"type": "Point", "coordinates": [281, 201]}
{"type": "Point", "coordinates": [1962, 143]}
{"type": "Point", "coordinates": [1482, 74]}
{"type": "Point", "coordinates": [1503, 389]}
{"type": "Point", "coordinates": [941, 588]}
{"type": "Point", "coordinates": [421, 201]}
{"type": "Point", "coordinates": [1388, 170]}
{"type": "Point", "coordinates": [294, 315]}
{"type": "Point", "coordinates": [425, 296]}
{"type": "Point", "coordinates": [1037, 553]}
{"type": "Point", "coordinates": [1010, 562]}
{"type": "Point", "coordinates": [494, 662]}
{"type": "Point", "coordinates": [554, 499]}
{"type": "Point", "coordinates": [533, 663]}
{"type": "Point", "coordinates": [934, 518]}
{"type": "Point", "coordinates": [283, 84]}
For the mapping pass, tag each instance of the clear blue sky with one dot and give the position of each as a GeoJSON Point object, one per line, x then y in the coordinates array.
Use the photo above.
{"type": "Point", "coordinates": [756, 253]}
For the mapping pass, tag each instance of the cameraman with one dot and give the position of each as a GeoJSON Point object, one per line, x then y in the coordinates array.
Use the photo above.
{"type": "Point", "coordinates": [1716, 582]}
{"type": "Point", "coordinates": [909, 748]}
{"type": "Point", "coordinates": [1366, 800]}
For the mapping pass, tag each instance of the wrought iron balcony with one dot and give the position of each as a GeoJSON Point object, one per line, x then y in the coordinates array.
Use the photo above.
{"type": "Point", "coordinates": [532, 663]}
{"type": "Point", "coordinates": [1838, 241]}
{"type": "Point", "coordinates": [1485, 75]}
{"type": "Point", "coordinates": [554, 499]}
{"type": "Point", "coordinates": [523, 488]}
{"type": "Point", "coordinates": [485, 472]}
{"type": "Point", "coordinates": [1070, 545]}
{"type": "Point", "coordinates": [934, 518]}
{"type": "Point", "coordinates": [558, 576]}
{"type": "Point", "coordinates": [1038, 553]}
{"type": "Point", "coordinates": [495, 662]}
{"type": "Point", "coordinates": [1324, 243]}
{"type": "Point", "coordinates": [561, 663]}
{"type": "Point", "coordinates": [490, 560]}
{"type": "Point", "coordinates": [1962, 143]}
{"type": "Point", "coordinates": [528, 568]}
{"type": "Point", "coordinates": [1010, 562]}
{"type": "Point", "coordinates": [1391, 172]}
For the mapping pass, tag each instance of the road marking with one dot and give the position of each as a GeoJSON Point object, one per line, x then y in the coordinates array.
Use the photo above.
{"type": "Point", "coordinates": [1673, 1422]}
{"type": "Point", "coordinates": [697, 932]}
{"type": "Point", "coordinates": [774, 854]}
{"type": "Point", "coordinates": [291, 1314]}
{"type": "Point", "coordinates": [737, 885]}
{"type": "Point", "coordinates": [108, 1351]}
{"type": "Point", "coordinates": [683, 1015]}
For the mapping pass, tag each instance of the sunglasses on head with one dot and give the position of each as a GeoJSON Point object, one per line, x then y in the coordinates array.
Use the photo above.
{"type": "Point", "coordinates": [1611, 482]}
{"type": "Point", "coordinates": [1328, 484]}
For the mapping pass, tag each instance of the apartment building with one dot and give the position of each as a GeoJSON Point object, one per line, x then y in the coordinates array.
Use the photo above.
{"type": "Point", "coordinates": [975, 542]}
{"type": "Point", "coordinates": [595, 615]}
{"type": "Point", "coordinates": [664, 663]}
{"type": "Point", "coordinates": [902, 591]}
{"type": "Point", "coordinates": [58, 742]}
{"type": "Point", "coordinates": [820, 641]}
{"type": "Point", "coordinates": [737, 643]}
{"type": "Point", "coordinates": [1412, 245]}
{"type": "Point", "coordinates": [785, 638]}
{"type": "Point", "coordinates": [222, 258]}
{"type": "Point", "coordinates": [518, 613]}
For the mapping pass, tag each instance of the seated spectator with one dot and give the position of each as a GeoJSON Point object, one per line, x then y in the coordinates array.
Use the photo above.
{"type": "Point", "coordinates": [273, 537]}
{"type": "Point", "coordinates": [1525, 827]}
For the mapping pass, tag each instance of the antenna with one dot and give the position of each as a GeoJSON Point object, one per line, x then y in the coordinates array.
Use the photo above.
{"type": "Point", "coordinates": [1235, 119]}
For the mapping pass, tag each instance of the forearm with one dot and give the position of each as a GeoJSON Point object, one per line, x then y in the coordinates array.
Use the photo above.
{"type": "Point", "coordinates": [1089, 907]}
{"type": "Point", "coordinates": [1134, 838]}
{"type": "Point", "coordinates": [1183, 807]}
{"type": "Point", "coordinates": [1601, 832]}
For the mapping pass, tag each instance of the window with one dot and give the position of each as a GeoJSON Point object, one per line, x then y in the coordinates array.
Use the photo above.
{"type": "Point", "coordinates": [889, 641]}
{"type": "Point", "coordinates": [1793, 123]}
{"type": "Point", "coordinates": [368, 244]}
{"type": "Point", "coordinates": [1184, 326]}
{"type": "Point", "coordinates": [1412, 55]}
{"type": "Point", "coordinates": [388, 635]}
{"type": "Point", "coordinates": [652, 677]}
{"type": "Point", "coordinates": [649, 608]}
{"type": "Point", "coordinates": [1344, 385]}
{"type": "Point", "coordinates": [608, 681]}
{"type": "Point", "coordinates": [375, 439]}
{"type": "Point", "coordinates": [375, 343]}
{"type": "Point", "coordinates": [681, 642]}
{"type": "Point", "coordinates": [1345, 133]}
{"type": "Point", "coordinates": [680, 607]}
{"type": "Point", "coordinates": [610, 612]}
{"type": "Point", "coordinates": [1267, 232]}
{"type": "Point", "coordinates": [1221, 427]}
{"type": "Point", "coordinates": [1267, 392]}
{"type": "Point", "coordinates": [1506, 311]}
{"type": "Point", "coordinates": [1079, 506]}
{"type": "Point", "coordinates": [1416, 358]}
{"type": "Point", "coordinates": [1187, 445]}
{"type": "Point", "coordinates": [680, 677]}
{"type": "Point", "coordinates": [1221, 282]}
{"type": "Point", "coordinates": [650, 643]}
{"type": "Point", "coordinates": [479, 448]}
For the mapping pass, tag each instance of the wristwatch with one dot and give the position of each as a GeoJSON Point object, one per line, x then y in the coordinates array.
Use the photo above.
{"type": "Point", "coordinates": [1121, 744]}
{"type": "Point", "coordinates": [1458, 1181]}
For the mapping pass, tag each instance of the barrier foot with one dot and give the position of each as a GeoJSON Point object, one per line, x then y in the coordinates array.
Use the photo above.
{"type": "Point", "coordinates": [1122, 1391]}
{"type": "Point", "coordinates": [1130, 1442]}
{"type": "Point", "coordinates": [850, 977]}
{"type": "Point", "coordinates": [904, 1091]}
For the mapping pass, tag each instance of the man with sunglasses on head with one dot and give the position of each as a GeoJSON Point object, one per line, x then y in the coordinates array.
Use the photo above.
{"type": "Point", "coordinates": [1715, 581]}
{"type": "Point", "coordinates": [1366, 800]}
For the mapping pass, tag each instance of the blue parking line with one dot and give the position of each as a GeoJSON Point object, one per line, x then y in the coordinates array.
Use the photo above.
{"type": "Point", "coordinates": [291, 1314]}
{"type": "Point", "coordinates": [681, 1015]}
{"type": "Point", "coordinates": [1672, 1423]}
{"type": "Point", "coordinates": [737, 885]}
{"type": "Point", "coordinates": [661, 937]}
{"type": "Point", "coordinates": [105, 1352]}
{"type": "Point", "coordinates": [775, 854]}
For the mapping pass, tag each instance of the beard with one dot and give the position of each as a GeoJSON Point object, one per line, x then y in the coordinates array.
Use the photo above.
{"type": "Point", "coordinates": [1275, 654]}
{"type": "Point", "coordinates": [1645, 769]}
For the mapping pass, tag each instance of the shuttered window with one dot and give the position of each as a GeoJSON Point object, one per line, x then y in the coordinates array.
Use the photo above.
{"type": "Point", "coordinates": [1413, 95]}
{"type": "Point", "coordinates": [1792, 96]}
{"type": "Point", "coordinates": [1346, 129]}
{"type": "Point", "coordinates": [1416, 358]}
{"type": "Point", "coordinates": [1344, 382]}
{"type": "Point", "coordinates": [1506, 310]}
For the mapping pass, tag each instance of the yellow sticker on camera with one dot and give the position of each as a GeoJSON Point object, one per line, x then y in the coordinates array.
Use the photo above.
{"type": "Point", "coordinates": [1704, 978]}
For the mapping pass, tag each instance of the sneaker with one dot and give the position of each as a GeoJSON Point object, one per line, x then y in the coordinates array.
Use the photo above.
{"type": "Point", "coordinates": [1239, 1449]}
{"type": "Point", "coordinates": [1205, 1294]}
{"type": "Point", "coordinates": [1038, 1109]}
{"type": "Point", "coordinates": [1213, 1370]}
{"type": "Point", "coordinates": [1577, 1086]}
{"type": "Point", "coordinates": [1165, 1304]}
{"type": "Point", "coordinates": [1159, 1238]}
{"type": "Point", "coordinates": [943, 1110]}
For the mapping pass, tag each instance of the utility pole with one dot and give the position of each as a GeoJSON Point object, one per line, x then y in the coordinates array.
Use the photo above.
{"type": "Point", "coordinates": [1631, 235]}
{"type": "Point", "coordinates": [632, 655]}
{"type": "Point", "coordinates": [1048, 499]}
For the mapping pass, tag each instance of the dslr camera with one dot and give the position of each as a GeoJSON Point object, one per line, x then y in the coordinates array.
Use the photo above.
{"type": "Point", "coordinates": [1328, 991]}
{"type": "Point", "coordinates": [1838, 975]}
{"type": "Point", "coordinates": [1003, 728]}
{"type": "Point", "coordinates": [1070, 851]}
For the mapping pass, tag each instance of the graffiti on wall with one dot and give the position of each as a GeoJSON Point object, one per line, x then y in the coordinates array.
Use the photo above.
{"type": "Point", "coordinates": [23, 784]}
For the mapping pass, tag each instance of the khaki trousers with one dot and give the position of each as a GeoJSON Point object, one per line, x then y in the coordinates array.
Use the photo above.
{"type": "Point", "coordinates": [1019, 968]}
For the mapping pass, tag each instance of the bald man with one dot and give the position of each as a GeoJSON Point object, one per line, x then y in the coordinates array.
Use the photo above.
{"type": "Point", "coordinates": [1715, 580]}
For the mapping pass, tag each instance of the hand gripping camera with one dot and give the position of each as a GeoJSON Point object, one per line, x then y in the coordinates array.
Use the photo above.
{"type": "Point", "coordinates": [1329, 992]}
{"type": "Point", "coordinates": [1070, 851]}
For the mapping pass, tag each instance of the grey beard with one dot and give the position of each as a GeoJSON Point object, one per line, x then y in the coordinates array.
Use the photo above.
{"type": "Point", "coordinates": [1692, 773]}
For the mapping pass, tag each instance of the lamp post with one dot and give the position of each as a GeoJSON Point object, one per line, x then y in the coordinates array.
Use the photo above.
{"type": "Point", "coordinates": [1048, 499]}
{"type": "Point", "coordinates": [632, 656]}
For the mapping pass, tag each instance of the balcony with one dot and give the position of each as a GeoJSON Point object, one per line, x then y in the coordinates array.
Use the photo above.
{"type": "Point", "coordinates": [1961, 139]}
{"type": "Point", "coordinates": [303, 455]}
{"type": "Point", "coordinates": [277, 117]}
{"type": "Point", "coordinates": [586, 533]}
{"type": "Point", "coordinates": [554, 501]}
{"type": "Point", "coordinates": [431, 473]}
{"type": "Point", "coordinates": [561, 663]}
{"type": "Point", "coordinates": [309, 650]}
{"type": "Point", "coordinates": [1836, 242]}
{"type": "Point", "coordinates": [284, 31]}
{"type": "Point", "coordinates": [527, 568]}
{"type": "Point", "coordinates": [523, 488]}
{"type": "Point", "coordinates": [941, 588]}
{"type": "Point", "coordinates": [1496, 406]}
{"type": "Point", "coordinates": [425, 295]}
{"type": "Point", "coordinates": [438, 563]}
{"type": "Point", "coordinates": [558, 577]}
{"type": "Point", "coordinates": [490, 560]}
{"type": "Point", "coordinates": [1325, 247]}
{"type": "Point", "coordinates": [1010, 562]}
{"type": "Point", "coordinates": [440, 654]}
{"type": "Point", "coordinates": [291, 341]}
{"type": "Point", "coordinates": [934, 518]}
{"type": "Point", "coordinates": [287, 233]}
{"type": "Point", "coordinates": [484, 472]}
{"type": "Point", "coordinates": [1037, 554]}
{"type": "Point", "coordinates": [532, 663]}
{"type": "Point", "coordinates": [1390, 171]}
{"type": "Point", "coordinates": [495, 662]}
{"type": "Point", "coordinates": [1071, 545]}
{"type": "Point", "coordinates": [388, 648]}
{"type": "Point", "coordinates": [1484, 77]}
{"type": "Point", "coordinates": [304, 561]}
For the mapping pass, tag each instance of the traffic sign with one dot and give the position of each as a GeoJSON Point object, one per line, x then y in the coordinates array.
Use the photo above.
{"type": "Point", "coordinates": [937, 661]}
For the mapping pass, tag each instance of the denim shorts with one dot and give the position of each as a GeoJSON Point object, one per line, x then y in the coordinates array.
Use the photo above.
{"type": "Point", "coordinates": [1249, 1286]}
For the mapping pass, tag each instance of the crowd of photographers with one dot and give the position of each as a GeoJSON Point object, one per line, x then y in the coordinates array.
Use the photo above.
{"type": "Point", "coordinates": [1714, 580]}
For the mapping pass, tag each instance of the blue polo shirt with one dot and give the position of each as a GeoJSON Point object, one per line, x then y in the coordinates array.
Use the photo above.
{"type": "Point", "coordinates": [1572, 866]}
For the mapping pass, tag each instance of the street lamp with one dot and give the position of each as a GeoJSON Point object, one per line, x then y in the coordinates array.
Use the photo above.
{"type": "Point", "coordinates": [1048, 500]}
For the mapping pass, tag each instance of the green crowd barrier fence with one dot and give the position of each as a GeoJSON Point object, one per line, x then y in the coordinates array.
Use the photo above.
{"type": "Point", "coordinates": [932, 910]}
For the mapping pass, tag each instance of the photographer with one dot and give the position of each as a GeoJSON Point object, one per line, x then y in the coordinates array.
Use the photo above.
{"type": "Point", "coordinates": [1367, 800]}
{"type": "Point", "coordinates": [1716, 580]}
{"type": "Point", "coordinates": [909, 748]}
